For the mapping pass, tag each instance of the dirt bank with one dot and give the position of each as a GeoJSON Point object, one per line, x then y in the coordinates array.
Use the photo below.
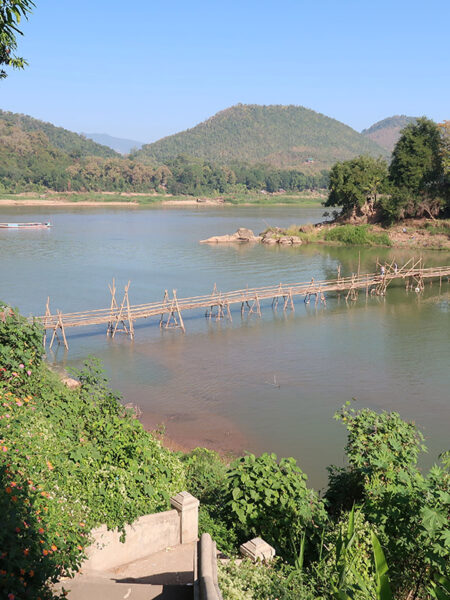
{"type": "Point", "coordinates": [186, 431]}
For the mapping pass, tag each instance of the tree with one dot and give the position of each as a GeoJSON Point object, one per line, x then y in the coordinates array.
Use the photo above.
{"type": "Point", "coordinates": [11, 12]}
{"type": "Point", "coordinates": [416, 170]}
{"type": "Point", "coordinates": [444, 129]}
{"type": "Point", "coordinates": [355, 184]}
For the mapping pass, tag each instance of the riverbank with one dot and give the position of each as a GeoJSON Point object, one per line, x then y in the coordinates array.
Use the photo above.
{"type": "Point", "coordinates": [103, 199]}
{"type": "Point", "coordinates": [182, 432]}
{"type": "Point", "coordinates": [428, 234]}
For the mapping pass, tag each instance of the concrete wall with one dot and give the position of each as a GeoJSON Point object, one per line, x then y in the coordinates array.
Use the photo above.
{"type": "Point", "coordinates": [147, 535]}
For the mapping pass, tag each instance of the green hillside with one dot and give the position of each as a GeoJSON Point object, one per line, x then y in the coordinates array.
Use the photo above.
{"type": "Point", "coordinates": [61, 138]}
{"type": "Point", "coordinates": [387, 132]}
{"type": "Point", "coordinates": [282, 136]}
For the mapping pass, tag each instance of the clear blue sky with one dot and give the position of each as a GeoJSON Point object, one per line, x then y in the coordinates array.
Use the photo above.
{"type": "Point", "coordinates": [150, 68]}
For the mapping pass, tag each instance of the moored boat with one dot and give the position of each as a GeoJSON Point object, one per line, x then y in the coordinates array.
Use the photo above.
{"type": "Point", "coordinates": [24, 225]}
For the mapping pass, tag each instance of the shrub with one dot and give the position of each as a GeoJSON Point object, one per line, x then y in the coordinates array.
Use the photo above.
{"type": "Point", "coordinates": [358, 235]}
{"type": "Point", "coordinates": [69, 461]}
{"type": "Point", "coordinates": [21, 347]}
{"type": "Point", "coordinates": [271, 499]}
{"type": "Point", "coordinates": [206, 474]}
{"type": "Point", "coordinates": [248, 581]}
{"type": "Point", "coordinates": [410, 512]}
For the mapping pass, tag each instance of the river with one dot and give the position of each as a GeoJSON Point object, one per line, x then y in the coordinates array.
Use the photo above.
{"type": "Point", "coordinates": [263, 384]}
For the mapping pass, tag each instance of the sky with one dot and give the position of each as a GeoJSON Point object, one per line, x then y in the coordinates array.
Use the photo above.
{"type": "Point", "coordinates": [149, 68]}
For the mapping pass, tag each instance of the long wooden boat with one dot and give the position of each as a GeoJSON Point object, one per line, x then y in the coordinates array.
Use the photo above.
{"type": "Point", "coordinates": [24, 225]}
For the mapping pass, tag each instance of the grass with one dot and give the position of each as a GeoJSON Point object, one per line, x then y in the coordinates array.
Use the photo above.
{"type": "Point", "coordinates": [441, 227]}
{"type": "Point", "coordinates": [348, 235]}
{"type": "Point", "coordinates": [357, 235]}
{"type": "Point", "coordinates": [305, 200]}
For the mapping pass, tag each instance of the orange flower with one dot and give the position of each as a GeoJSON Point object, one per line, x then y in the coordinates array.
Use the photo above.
{"type": "Point", "coordinates": [41, 530]}
{"type": "Point", "coordinates": [26, 551]}
{"type": "Point", "coordinates": [14, 498]}
{"type": "Point", "coordinates": [54, 548]}
{"type": "Point", "coordinates": [80, 547]}
{"type": "Point", "coordinates": [45, 552]}
{"type": "Point", "coordinates": [8, 490]}
{"type": "Point", "coordinates": [50, 466]}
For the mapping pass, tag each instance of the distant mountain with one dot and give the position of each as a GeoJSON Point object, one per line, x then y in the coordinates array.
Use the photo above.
{"type": "Point", "coordinates": [283, 136]}
{"type": "Point", "coordinates": [68, 141]}
{"type": "Point", "coordinates": [121, 145]}
{"type": "Point", "coordinates": [386, 132]}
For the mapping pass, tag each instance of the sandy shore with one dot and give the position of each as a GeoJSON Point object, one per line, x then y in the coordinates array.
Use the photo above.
{"type": "Point", "coordinates": [46, 202]}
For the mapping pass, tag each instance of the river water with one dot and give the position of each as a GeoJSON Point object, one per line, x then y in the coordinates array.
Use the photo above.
{"type": "Point", "coordinates": [271, 383]}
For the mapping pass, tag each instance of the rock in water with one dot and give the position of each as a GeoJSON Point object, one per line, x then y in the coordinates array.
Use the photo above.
{"type": "Point", "coordinates": [241, 235]}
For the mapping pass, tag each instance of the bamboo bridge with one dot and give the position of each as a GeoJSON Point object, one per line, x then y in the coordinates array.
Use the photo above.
{"type": "Point", "coordinates": [121, 317]}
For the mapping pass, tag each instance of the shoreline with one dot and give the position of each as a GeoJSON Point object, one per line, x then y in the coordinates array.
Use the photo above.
{"type": "Point", "coordinates": [105, 199]}
{"type": "Point", "coordinates": [424, 234]}
{"type": "Point", "coordinates": [176, 203]}
{"type": "Point", "coordinates": [183, 432]}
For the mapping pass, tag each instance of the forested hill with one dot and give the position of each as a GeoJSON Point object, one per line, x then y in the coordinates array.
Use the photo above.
{"type": "Point", "coordinates": [282, 136]}
{"type": "Point", "coordinates": [68, 141]}
{"type": "Point", "coordinates": [387, 132]}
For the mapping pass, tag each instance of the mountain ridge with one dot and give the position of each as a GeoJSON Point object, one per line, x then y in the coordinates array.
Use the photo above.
{"type": "Point", "coordinates": [59, 137]}
{"type": "Point", "coordinates": [283, 136]}
{"type": "Point", "coordinates": [387, 131]}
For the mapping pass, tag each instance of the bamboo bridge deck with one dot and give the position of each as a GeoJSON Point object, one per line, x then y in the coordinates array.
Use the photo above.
{"type": "Point", "coordinates": [217, 304]}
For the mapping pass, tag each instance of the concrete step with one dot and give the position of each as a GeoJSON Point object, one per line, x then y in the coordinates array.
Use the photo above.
{"type": "Point", "coordinates": [165, 575]}
{"type": "Point", "coordinates": [99, 588]}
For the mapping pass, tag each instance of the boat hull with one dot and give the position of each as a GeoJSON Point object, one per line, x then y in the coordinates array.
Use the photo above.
{"type": "Point", "coordinates": [24, 225]}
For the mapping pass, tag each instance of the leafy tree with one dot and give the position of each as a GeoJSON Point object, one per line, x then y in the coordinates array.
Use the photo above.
{"type": "Point", "coordinates": [416, 171]}
{"type": "Point", "coordinates": [11, 12]}
{"type": "Point", "coordinates": [355, 184]}
{"type": "Point", "coordinates": [445, 153]}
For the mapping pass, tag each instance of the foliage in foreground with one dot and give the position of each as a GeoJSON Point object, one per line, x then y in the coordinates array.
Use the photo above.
{"type": "Point", "coordinates": [72, 460]}
{"type": "Point", "coordinates": [11, 12]}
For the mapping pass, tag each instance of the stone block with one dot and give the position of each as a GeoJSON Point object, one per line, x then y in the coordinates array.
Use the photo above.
{"type": "Point", "coordinates": [257, 549]}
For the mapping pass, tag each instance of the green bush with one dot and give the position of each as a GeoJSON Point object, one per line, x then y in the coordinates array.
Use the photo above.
{"type": "Point", "coordinates": [21, 347]}
{"type": "Point", "coordinates": [248, 581]}
{"type": "Point", "coordinates": [358, 235]}
{"type": "Point", "coordinates": [206, 474]}
{"type": "Point", "coordinates": [411, 512]}
{"type": "Point", "coordinates": [270, 498]}
{"type": "Point", "coordinates": [69, 461]}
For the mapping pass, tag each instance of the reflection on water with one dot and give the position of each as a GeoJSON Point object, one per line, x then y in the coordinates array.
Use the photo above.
{"type": "Point", "coordinates": [278, 378]}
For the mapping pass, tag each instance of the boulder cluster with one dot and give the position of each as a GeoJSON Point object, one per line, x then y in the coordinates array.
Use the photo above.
{"type": "Point", "coordinates": [275, 236]}
{"type": "Point", "coordinates": [272, 237]}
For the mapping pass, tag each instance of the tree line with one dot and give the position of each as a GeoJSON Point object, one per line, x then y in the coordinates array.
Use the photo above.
{"type": "Point", "coordinates": [29, 162]}
{"type": "Point", "coordinates": [416, 183]}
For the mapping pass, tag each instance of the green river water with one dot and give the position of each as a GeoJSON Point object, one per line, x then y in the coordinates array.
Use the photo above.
{"type": "Point", "coordinates": [271, 383]}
